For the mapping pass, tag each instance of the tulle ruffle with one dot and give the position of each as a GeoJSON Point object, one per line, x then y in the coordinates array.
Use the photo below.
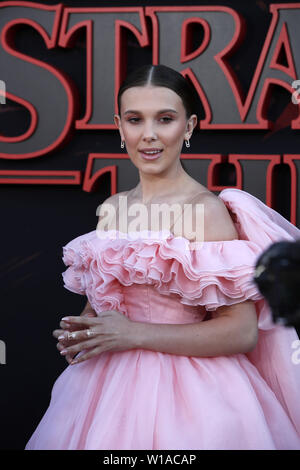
{"type": "Point", "coordinates": [218, 273]}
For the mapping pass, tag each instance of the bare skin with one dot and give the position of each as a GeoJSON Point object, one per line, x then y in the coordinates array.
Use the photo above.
{"type": "Point", "coordinates": [143, 124]}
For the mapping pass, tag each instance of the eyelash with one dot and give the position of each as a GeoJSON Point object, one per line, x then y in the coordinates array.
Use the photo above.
{"type": "Point", "coordinates": [134, 120]}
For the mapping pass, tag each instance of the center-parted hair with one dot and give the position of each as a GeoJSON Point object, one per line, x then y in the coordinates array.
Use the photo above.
{"type": "Point", "coordinates": [163, 76]}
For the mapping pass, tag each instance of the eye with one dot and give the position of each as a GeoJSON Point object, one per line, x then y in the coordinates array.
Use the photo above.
{"type": "Point", "coordinates": [133, 120]}
{"type": "Point", "coordinates": [166, 119]}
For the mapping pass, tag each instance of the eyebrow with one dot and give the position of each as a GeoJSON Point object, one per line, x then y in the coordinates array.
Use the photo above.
{"type": "Point", "coordinates": [159, 112]}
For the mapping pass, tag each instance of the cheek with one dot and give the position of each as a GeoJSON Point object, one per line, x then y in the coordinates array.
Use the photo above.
{"type": "Point", "coordinates": [131, 135]}
{"type": "Point", "coordinates": [174, 136]}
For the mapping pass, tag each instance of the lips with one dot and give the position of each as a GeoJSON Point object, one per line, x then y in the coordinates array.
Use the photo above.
{"type": "Point", "coordinates": [155, 153]}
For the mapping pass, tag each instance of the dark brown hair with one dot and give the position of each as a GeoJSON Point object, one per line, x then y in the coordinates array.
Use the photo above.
{"type": "Point", "coordinates": [161, 75]}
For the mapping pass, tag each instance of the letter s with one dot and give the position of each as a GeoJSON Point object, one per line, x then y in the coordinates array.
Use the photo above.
{"type": "Point", "coordinates": [47, 93]}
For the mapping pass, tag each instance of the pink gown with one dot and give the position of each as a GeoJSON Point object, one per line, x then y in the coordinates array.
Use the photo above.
{"type": "Point", "coordinates": [142, 399]}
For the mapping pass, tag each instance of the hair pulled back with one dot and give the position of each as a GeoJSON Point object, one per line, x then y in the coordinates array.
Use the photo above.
{"type": "Point", "coordinates": [163, 76]}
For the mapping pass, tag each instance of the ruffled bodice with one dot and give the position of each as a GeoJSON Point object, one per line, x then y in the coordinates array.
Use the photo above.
{"type": "Point", "coordinates": [207, 277]}
{"type": "Point", "coordinates": [103, 265]}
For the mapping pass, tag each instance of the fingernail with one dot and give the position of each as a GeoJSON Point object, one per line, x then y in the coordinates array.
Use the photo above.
{"type": "Point", "coordinates": [74, 362]}
{"type": "Point", "coordinates": [61, 337]}
{"type": "Point", "coordinates": [64, 351]}
{"type": "Point", "coordinates": [66, 318]}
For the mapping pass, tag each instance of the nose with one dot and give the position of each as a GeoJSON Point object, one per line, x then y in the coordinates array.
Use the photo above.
{"type": "Point", "coordinates": [149, 133]}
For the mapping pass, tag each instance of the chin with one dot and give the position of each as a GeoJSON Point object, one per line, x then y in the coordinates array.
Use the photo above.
{"type": "Point", "coordinates": [150, 171]}
{"type": "Point", "coordinates": [148, 166]}
{"type": "Point", "coordinates": [153, 167]}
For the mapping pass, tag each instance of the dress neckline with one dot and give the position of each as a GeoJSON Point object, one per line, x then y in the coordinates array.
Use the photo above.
{"type": "Point", "coordinates": [144, 234]}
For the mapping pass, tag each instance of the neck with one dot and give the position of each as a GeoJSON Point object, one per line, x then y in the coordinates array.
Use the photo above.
{"type": "Point", "coordinates": [156, 186]}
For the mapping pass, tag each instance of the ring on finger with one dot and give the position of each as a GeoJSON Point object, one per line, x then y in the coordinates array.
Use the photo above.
{"type": "Point", "coordinates": [89, 332]}
{"type": "Point", "coordinates": [72, 335]}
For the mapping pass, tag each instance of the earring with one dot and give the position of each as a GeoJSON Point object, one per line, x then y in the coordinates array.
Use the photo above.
{"type": "Point", "coordinates": [122, 144]}
{"type": "Point", "coordinates": [187, 143]}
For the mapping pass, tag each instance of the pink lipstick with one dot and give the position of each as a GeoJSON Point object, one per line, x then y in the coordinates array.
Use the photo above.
{"type": "Point", "coordinates": [151, 153]}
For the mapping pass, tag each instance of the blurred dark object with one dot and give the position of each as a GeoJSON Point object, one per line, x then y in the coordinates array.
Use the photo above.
{"type": "Point", "coordinates": [277, 275]}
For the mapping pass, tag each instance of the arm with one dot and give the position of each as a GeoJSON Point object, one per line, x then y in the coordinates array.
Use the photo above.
{"type": "Point", "coordinates": [233, 331]}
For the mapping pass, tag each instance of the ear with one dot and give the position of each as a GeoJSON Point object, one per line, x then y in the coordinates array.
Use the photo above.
{"type": "Point", "coordinates": [190, 125]}
{"type": "Point", "coordinates": [117, 121]}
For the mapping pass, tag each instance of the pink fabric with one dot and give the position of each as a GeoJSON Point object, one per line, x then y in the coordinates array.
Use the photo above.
{"type": "Point", "coordinates": [148, 400]}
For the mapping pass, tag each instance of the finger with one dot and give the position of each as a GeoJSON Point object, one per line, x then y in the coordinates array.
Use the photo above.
{"type": "Point", "coordinates": [68, 357]}
{"type": "Point", "coordinates": [61, 347]}
{"type": "Point", "coordinates": [65, 338]}
{"type": "Point", "coordinates": [83, 321]}
{"type": "Point", "coordinates": [73, 350]}
{"type": "Point", "coordinates": [68, 338]}
{"type": "Point", "coordinates": [64, 341]}
{"type": "Point", "coordinates": [71, 326]}
{"type": "Point", "coordinates": [74, 336]}
{"type": "Point", "coordinates": [80, 335]}
{"type": "Point", "coordinates": [76, 348]}
{"type": "Point", "coordinates": [89, 314]}
{"type": "Point", "coordinates": [57, 333]}
{"type": "Point", "coordinates": [65, 325]}
{"type": "Point", "coordinates": [73, 329]}
{"type": "Point", "coordinates": [61, 335]}
{"type": "Point", "coordinates": [93, 352]}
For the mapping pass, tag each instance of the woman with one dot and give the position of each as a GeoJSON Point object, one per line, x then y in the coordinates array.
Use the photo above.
{"type": "Point", "coordinates": [175, 348]}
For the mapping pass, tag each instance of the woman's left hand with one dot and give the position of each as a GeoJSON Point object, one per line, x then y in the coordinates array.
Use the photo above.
{"type": "Point", "coordinates": [110, 331]}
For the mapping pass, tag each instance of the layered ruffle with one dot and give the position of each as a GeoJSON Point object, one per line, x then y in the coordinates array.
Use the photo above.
{"type": "Point", "coordinates": [217, 273]}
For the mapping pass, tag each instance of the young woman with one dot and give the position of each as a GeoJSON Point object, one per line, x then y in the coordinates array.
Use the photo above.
{"type": "Point", "coordinates": [175, 348]}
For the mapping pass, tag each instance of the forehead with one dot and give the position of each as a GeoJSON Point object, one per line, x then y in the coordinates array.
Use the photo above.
{"type": "Point", "coordinates": [150, 97]}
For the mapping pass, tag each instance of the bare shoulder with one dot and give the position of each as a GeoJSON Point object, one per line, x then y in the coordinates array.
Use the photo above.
{"type": "Point", "coordinates": [218, 224]}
